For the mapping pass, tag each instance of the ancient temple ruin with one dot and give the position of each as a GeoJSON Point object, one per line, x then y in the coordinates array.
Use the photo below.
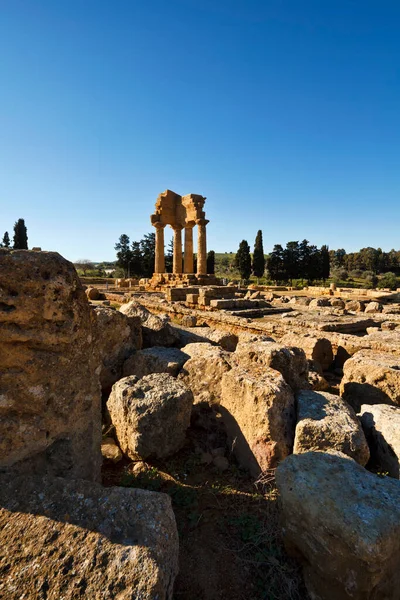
{"type": "Point", "coordinates": [181, 213]}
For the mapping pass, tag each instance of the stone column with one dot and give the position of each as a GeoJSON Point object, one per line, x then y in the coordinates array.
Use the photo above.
{"type": "Point", "coordinates": [201, 247]}
{"type": "Point", "coordinates": [177, 263]}
{"type": "Point", "coordinates": [159, 266]}
{"type": "Point", "coordinates": [188, 256]}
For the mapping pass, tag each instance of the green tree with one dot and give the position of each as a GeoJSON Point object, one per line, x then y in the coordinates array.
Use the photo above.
{"type": "Point", "coordinates": [211, 262]}
{"type": "Point", "coordinates": [135, 260]}
{"type": "Point", "coordinates": [6, 240]}
{"type": "Point", "coordinates": [291, 261]}
{"type": "Point", "coordinates": [243, 260]}
{"type": "Point", "coordinates": [169, 257]}
{"type": "Point", "coordinates": [258, 265]}
{"type": "Point", "coordinates": [275, 264]}
{"type": "Point", "coordinates": [325, 262]}
{"type": "Point", "coordinates": [124, 253]}
{"type": "Point", "coordinates": [20, 235]}
{"type": "Point", "coordinates": [148, 250]}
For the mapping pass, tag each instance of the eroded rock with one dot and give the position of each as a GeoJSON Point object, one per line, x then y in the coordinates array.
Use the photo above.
{"type": "Point", "coordinates": [49, 386]}
{"type": "Point", "coordinates": [343, 523]}
{"type": "Point", "coordinates": [326, 422]}
{"type": "Point", "coordinates": [157, 359]}
{"type": "Point", "coordinates": [156, 329]}
{"type": "Point", "coordinates": [203, 372]}
{"type": "Point", "coordinates": [117, 338]}
{"type": "Point", "coordinates": [381, 424]}
{"type": "Point", "coordinates": [371, 377]}
{"type": "Point", "coordinates": [291, 362]}
{"type": "Point", "coordinates": [259, 413]}
{"type": "Point", "coordinates": [150, 415]}
{"type": "Point", "coordinates": [317, 348]}
{"type": "Point", "coordinates": [75, 539]}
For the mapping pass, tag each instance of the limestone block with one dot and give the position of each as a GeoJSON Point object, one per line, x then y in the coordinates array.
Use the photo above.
{"type": "Point", "coordinates": [78, 540]}
{"type": "Point", "coordinates": [326, 422]}
{"type": "Point", "coordinates": [343, 524]}
{"type": "Point", "coordinates": [118, 337]}
{"type": "Point", "coordinates": [355, 306]}
{"type": "Point", "coordinates": [381, 424]}
{"type": "Point", "coordinates": [157, 359]}
{"type": "Point", "coordinates": [258, 410]}
{"type": "Point", "coordinates": [156, 329]}
{"type": "Point", "coordinates": [93, 293]}
{"type": "Point", "coordinates": [373, 307]}
{"type": "Point", "coordinates": [150, 415]}
{"type": "Point", "coordinates": [317, 348]}
{"type": "Point", "coordinates": [50, 418]}
{"type": "Point", "coordinates": [192, 298]}
{"type": "Point", "coordinates": [290, 362]}
{"type": "Point", "coordinates": [203, 372]}
{"type": "Point", "coordinates": [371, 377]}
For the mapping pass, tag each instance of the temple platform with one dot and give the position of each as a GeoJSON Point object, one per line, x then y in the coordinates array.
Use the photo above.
{"type": "Point", "coordinates": [160, 281]}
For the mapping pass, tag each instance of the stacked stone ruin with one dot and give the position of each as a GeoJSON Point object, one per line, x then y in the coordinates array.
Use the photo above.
{"type": "Point", "coordinates": [67, 361]}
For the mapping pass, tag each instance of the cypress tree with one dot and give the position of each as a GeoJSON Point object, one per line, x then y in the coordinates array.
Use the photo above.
{"type": "Point", "coordinates": [20, 235]}
{"type": "Point", "coordinates": [325, 260]}
{"type": "Point", "coordinates": [258, 256]}
{"type": "Point", "coordinates": [6, 240]}
{"type": "Point", "coordinates": [211, 262]}
{"type": "Point", "coordinates": [243, 260]}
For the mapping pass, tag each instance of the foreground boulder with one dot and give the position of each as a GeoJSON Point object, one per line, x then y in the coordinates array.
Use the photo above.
{"type": "Point", "coordinates": [75, 539]}
{"type": "Point", "coordinates": [118, 337]}
{"type": "Point", "coordinates": [317, 348]}
{"type": "Point", "coordinates": [150, 415]}
{"type": "Point", "coordinates": [343, 523]}
{"type": "Point", "coordinates": [50, 419]}
{"type": "Point", "coordinates": [259, 413]}
{"type": "Point", "coordinates": [156, 329]}
{"type": "Point", "coordinates": [381, 424]}
{"type": "Point", "coordinates": [326, 422]}
{"type": "Point", "coordinates": [157, 359]}
{"type": "Point", "coordinates": [371, 378]}
{"type": "Point", "coordinates": [203, 372]}
{"type": "Point", "coordinates": [290, 362]}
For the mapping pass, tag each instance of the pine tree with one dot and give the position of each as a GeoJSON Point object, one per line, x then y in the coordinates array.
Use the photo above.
{"type": "Point", "coordinates": [243, 260]}
{"type": "Point", "coordinates": [124, 253]}
{"type": "Point", "coordinates": [211, 262]}
{"type": "Point", "coordinates": [258, 256]}
{"type": "Point", "coordinates": [20, 235]}
{"type": "Point", "coordinates": [6, 240]}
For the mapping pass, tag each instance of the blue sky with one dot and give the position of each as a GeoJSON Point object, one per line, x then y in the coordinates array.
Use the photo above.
{"type": "Point", "coordinates": [284, 114]}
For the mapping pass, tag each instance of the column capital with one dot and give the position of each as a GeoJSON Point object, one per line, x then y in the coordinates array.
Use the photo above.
{"type": "Point", "coordinates": [158, 225]}
{"type": "Point", "coordinates": [202, 222]}
{"type": "Point", "coordinates": [178, 227]}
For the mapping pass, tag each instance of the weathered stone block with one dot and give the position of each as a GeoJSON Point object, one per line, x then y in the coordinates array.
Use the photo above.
{"type": "Point", "coordinates": [75, 539]}
{"type": "Point", "coordinates": [343, 523]}
{"type": "Point", "coordinates": [50, 418]}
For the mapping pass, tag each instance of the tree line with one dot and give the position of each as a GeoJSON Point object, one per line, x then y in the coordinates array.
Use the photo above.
{"type": "Point", "coordinates": [367, 259]}
{"type": "Point", "coordinates": [296, 261]}
{"type": "Point", "coordinates": [20, 240]}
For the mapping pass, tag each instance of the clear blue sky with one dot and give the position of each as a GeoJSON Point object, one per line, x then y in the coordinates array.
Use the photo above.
{"type": "Point", "coordinates": [284, 114]}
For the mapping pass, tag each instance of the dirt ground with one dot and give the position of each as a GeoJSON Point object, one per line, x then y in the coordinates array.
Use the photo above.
{"type": "Point", "coordinates": [229, 525]}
